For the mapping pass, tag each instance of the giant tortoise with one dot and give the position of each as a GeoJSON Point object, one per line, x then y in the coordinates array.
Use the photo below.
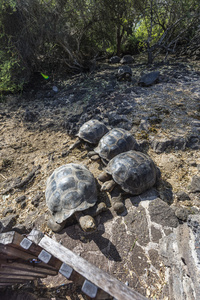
{"type": "Point", "coordinates": [71, 191]}
{"type": "Point", "coordinates": [134, 171]}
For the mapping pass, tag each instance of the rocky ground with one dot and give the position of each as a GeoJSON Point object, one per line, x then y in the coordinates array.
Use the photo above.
{"type": "Point", "coordinates": [147, 247]}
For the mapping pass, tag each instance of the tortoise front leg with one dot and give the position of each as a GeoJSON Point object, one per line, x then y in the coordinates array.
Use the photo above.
{"type": "Point", "coordinates": [54, 226]}
{"type": "Point", "coordinates": [108, 186]}
{"type": "Point", "coordinates": [117, 201]}
{"type": "Point", "coordinates": [86, 222]}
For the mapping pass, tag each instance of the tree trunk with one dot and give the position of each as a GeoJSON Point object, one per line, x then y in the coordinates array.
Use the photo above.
{"type": "Point", "coordinates": [119, 39]}
{"type": "Point", "coordinates": [150, 56]}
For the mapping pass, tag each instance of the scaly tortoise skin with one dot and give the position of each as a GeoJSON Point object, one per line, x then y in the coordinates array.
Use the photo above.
{"type": "Point", "coordinates": [134, 171]}
{"type": "Point", "coordinates": [70, 190]}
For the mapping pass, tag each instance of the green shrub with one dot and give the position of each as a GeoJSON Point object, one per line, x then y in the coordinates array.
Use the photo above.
{"type": "Point", "coordinates": [11, 72]}
{"type": "Point", "coordinates": [11, 78]}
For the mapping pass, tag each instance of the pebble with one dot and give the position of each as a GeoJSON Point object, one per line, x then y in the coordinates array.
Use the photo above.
{"type": "Point", "coordinates": [195, 184]}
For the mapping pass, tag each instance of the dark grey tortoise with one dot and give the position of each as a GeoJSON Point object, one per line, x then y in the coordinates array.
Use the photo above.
{"type": "Point", "coordinates": [71, 191]}
{"type": "Point", "coordinates": [114, 142]}
{"type": "Point", "coordinates": [149, 79]}
{"type": "Point", "coordinates": [90, 132]}
{"type": "Point", "coordinates": [114, 60]}
{"type": "Point", "coordinates": [127, 59]}
{"type": "Point", "coordinates": [124, 73]}
{"type": "Point", "coordinates": [134, 171]}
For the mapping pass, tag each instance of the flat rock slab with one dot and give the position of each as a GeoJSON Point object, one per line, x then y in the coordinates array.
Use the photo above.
{"type": "Point", "coordinates": [161, 213]}
{"type": "Point", "coordinates": [180, 252]}
{"type": "Point", "coordinates": [147, 248]}
{"type": "Point", "coordinates": [128, 246]}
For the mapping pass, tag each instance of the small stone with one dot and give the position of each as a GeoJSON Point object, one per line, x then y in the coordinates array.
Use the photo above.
{"type": "Point", "coordinates": [20, 199]}
{"type": "Point", "coordinates": [23, 204]}
{"type": "Point", "coordinates": [182, 196]}
{"type": "Point", "coordinates": [144, 125]}
{"type": "Point", "coordinates": [1, 227]}
{"type": "Point", "coordinates": [195, 184]}
{"type": "Point", "coordinates": [193, 142]}
{"type": "Point", "coordinates": [8, 210]}
{"type": "Point", "coordinates": [179, 143]}
{"type": "Point", "coordinates": [55, 89]}
{"type": "Point", "coordinates": [192, 163]}
{"type": "Point", "coordinates": [159, 146]}
{"type": "Point", "coordinates": [20, 228]}
{"type": "Point", "coordinates": [30, 116]}
{"type": "Point", "coordinates": [182, 214]}
{"type": "Point", "coordinates": [166, 195]}
{"type": "Point", "coordinates": [9, 222]}
{"type": "Point", "coordinates": [36, 199]}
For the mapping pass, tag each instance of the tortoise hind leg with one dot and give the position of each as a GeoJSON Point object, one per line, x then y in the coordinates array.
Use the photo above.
{"type": "Point", "coordinates": [76, 144]}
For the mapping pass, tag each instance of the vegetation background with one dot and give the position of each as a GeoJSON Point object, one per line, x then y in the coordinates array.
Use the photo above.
{"type": "Point", "coordinates": [62, 36]}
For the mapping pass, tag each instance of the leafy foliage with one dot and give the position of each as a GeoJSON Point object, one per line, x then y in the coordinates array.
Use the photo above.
{"type": "Point", "coordinates": [50, 36]}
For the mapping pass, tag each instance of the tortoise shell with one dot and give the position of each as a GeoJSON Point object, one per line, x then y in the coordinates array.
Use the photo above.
{"type": "Point", "coordinates": [149, 79]}
{"type": "Point", "coordinates": [124, 72]}
{"type": "Point", "coordinates": [127, 59]}
{"type": "Point", "coordinates": [116, 141]}
{"type": "Point", "coordinates": [70, 188]}
{"type": "Point", "coordinates": [114, 60]}
{"type": "Point", "coordinates": [92, 131]}
{"type": "Point", "coordinates": [134, 171]}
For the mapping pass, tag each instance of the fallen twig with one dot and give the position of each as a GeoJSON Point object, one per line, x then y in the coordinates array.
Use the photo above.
{"type": "Point", "coordinates": [23, 182]}
{"type": "Point", "coordinates": [3, 176]}
{"type": "Point", "coordinates": [28, 178]}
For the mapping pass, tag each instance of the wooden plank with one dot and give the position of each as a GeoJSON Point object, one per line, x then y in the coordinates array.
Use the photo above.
{"type": "Point", "coordinates": [30, 247]}
{"type": "Point", "coordinates": [17, 241]}
{"type": "Point", "coordinates": [101, 279]}
{"type": "Point", "coordinates": [22, 272]}
{"type": "Point", "coordinates": [14, 252]}
{"type": "Point", "coordinates": [21, 277]}
{"type": "Point", "coordinates": [5, 256]}
{"type": "Point", "coordinates": [4, 280]}
{"type": "Point", "coordinates": [40, 268]}
{"type": "Point", "coordinates": [35, 236]}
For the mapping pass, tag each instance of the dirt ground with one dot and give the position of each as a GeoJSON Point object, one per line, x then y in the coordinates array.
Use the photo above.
{"type": "Point", "coordinates": [34, 132]}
